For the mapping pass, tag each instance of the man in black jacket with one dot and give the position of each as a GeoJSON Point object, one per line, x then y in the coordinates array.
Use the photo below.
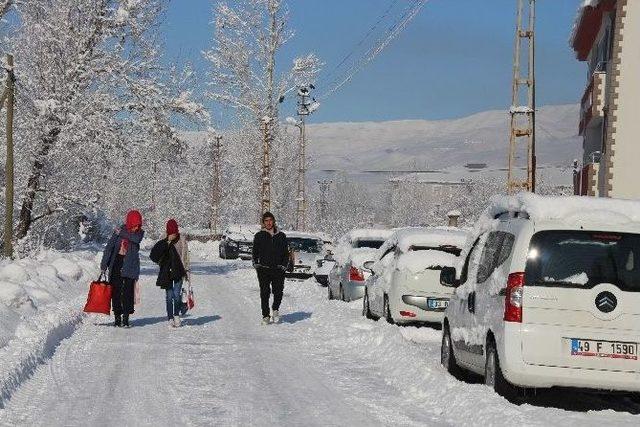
{"type": "Point", "coordinates": [270, 259]}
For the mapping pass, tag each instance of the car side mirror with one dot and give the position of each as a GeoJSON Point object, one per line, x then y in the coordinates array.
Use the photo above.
{"type": "Point", "coordinates": [368, 266]}
{"type": "Point", "coordinates": [448, 277]}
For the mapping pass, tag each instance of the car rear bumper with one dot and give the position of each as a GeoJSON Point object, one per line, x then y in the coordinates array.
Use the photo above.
{"type": "Point", "coordinates": [411, 306]}
{"type": "Point", "coordinates": [539, 375]}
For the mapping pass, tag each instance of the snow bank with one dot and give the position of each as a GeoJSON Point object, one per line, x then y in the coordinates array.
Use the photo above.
{"type": "Point", "coordinates": [205, 251]}
{"type": "Point", "coordinates": [41, 300]}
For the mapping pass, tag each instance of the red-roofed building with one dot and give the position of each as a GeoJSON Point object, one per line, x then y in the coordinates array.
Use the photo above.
{"type": "Point", "coordinates": [607, 37]}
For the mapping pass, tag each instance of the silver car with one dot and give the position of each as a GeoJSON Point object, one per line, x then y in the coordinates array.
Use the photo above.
{"type": "Point", "coordinates": [305, 251]}
{"type": "Point", "coordinates": [347, 278]}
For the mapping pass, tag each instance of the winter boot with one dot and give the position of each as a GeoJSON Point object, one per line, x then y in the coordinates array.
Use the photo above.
{"type": "Point", "coordinates": [125, 321]}
{"type": "Point", "coordinates": [276, 316]}
{"type": "Point", "coordinates": [266, 320]}
{"type": "Point", "coordinates": [176, 321]}
{"type": "Point", "coordinates": [172, 323]}
{"type": "Point", "coordinates": [118, 321]}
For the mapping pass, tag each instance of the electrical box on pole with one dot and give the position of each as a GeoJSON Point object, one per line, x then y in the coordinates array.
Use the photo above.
{"type": "Point", "coordinates": [522, 137]}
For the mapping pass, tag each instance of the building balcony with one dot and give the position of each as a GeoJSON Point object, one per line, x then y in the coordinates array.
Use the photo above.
{"type": "Point", "coordinates": [592, 105]}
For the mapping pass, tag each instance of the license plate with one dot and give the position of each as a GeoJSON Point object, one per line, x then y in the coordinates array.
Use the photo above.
{"type": "Point", "coordinates": [610, 349]}
{"type": "Point", "coordinates": [437, 304]}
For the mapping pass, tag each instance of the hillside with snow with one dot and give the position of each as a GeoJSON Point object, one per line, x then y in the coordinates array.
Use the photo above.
{"type": "Point", "coordinates": [422, 145]}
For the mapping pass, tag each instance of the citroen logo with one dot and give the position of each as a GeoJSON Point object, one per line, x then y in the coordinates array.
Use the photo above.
{"type": "Point", "coordinates": [606, 302]}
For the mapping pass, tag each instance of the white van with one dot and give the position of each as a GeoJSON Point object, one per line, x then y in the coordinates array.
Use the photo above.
{"type": "Point", "coordinates": [548, 295]}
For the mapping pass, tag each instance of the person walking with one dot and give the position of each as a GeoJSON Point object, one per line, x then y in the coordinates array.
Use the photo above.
{"type": "Point", "coordinates": [172, 255]}
{"type": "Point", "coordinates": [270, 259]}
{"type": "Point", "coordinates": [121, 258]}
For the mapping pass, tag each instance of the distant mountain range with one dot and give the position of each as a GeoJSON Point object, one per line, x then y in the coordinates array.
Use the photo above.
{"type": "Point", "coordinates": [473, 143]}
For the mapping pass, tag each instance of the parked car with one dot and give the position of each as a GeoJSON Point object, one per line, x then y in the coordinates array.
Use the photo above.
{"type": "Point", "coordinates": [237, 242]}
{"type": "Point", "coordinates": [404, 286]}
{"type": "Point", "coordinates": [346, 279]}
{"type": "Point", "coordinates": [548, 295]}
{"type": "Point", "coordinates": [305, 250]}
{"type": "Point", "coordinates": [324, 267]}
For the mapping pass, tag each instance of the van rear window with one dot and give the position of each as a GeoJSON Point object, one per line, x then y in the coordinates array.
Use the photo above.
{"type": "Point", "coordinates": [584, 259]}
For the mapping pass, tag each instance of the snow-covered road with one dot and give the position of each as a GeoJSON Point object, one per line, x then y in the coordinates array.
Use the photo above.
{"type": "Point", "coordinates": [324, 365]}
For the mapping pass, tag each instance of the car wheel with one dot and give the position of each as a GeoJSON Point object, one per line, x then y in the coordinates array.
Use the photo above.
{"type": "Point", "coordinates": [366, 310]}
{"type": "Point", "coordinates": [387, 311]}
{"type": "Point", "coordinates": [493, 374]}
{"type": "Point", "coordinates": [447, 358]}
{"type": "Point", "coordinates": [329, 293]}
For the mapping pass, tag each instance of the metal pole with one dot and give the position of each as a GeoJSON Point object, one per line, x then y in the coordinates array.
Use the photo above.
{"type": "Point", "coordinates": [8, 223]}
{"type": "Point", "coordinates": [215, 211]}
{"type": "Point", "coordinates": [532, 97]}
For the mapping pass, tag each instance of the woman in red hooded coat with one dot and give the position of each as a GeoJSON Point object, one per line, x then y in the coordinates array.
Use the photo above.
{"type": "Point", "coordinates": [122, 258]}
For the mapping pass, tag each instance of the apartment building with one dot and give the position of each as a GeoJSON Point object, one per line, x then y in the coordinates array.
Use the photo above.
{"type": "Point", "coordinates": [607, 38]}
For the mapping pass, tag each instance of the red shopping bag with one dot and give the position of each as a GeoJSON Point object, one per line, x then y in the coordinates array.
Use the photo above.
{"type": "Point", "coordinates": [99, 299]}
{"type": "Point", "coordinates": [191, 301]}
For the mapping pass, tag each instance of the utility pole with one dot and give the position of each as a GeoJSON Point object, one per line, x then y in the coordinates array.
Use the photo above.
{"type": "Point", "coordinates": [9, 96]}
{"type": "Point", "coordinates": [215, 206]}
{"type": "Point", "coordinates": [265, 183]}
{"type": "Point", "coordinates": [305, 104]}
{"type": "Point", "coordinates": [523, 117]}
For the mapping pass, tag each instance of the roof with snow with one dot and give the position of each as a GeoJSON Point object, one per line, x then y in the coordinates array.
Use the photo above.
{"type": "Point", "coordinates": [587, 25]}
{"type": "Point", "coordinates": [570, 209]}
{"type": "Point", "coordinates": [407, 238]}
{"type": "Point", "coordinates": [369, 234]}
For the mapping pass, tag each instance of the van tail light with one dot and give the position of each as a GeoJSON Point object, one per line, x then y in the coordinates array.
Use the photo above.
{"type": "Point", "coordinates": [513, 299]}
{"type": "Point", "coordinates": [355, 275]}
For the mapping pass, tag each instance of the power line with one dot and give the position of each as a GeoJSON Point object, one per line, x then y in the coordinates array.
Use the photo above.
{"type": "Point", "coordinates": [382, 17]}
{"type": "Point", "coordinates": [374, 51]}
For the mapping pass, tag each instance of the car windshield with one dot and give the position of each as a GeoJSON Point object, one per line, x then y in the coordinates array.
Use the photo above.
{"type": "Point", "coordinates": [584, 259]}
{"type": "Point", "coordinates": [373, 244]}
{"type": "Point", "coordinates": [298, 244]}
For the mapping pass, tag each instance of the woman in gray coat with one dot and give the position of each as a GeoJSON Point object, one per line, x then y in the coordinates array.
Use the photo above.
{"type": "Point", "coordinates": [122, 258]}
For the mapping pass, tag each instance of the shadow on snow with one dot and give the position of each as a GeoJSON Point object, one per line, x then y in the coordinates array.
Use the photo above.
{"type": "Point", "coordinates": [298, 316]}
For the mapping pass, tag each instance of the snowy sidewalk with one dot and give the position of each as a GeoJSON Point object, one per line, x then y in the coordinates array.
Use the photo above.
{"type": "Point", "coordinates": [324, 365]}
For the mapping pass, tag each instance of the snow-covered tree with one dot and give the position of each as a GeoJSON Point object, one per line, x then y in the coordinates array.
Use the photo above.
{"type": "Point", "coordinates": [245, 75]}
{"type": "Point", "coordinates": [93, 103]}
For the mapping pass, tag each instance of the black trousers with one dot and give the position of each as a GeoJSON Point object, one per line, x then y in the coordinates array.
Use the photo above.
{"type": "Point", "coordinates": [122, 290]}
{"type": "Point", "coordinates": [271, 281]}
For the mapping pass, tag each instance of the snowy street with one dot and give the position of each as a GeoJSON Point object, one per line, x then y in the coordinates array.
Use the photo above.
{"type": "Point", "coordinates": [324, 365]}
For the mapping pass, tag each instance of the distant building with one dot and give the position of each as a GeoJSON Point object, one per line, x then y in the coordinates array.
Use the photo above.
{"type": "Point", "coordinates": [607, 38]}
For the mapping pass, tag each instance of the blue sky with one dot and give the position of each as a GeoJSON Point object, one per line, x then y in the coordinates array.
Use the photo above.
{"type": "Point", "coordinates": [453, 60]}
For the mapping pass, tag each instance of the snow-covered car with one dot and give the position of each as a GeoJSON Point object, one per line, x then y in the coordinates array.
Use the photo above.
{"type": "Point", "coordinates": [305, 251]}
{"type": "Point", "coordinates": [237, 242]}
{"type": "Point", "coordinates": [548, 295]}
{"type": "Point", "coordinates": [323, 269]}
{"type": "Point", "coordinates": [405, 284]}
{"type": "Point", "coordinates": [346, 279]}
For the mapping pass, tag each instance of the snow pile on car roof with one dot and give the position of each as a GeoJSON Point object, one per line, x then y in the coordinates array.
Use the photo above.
{"type": "Point", "coordinates": [569, 209]}
{"type": "Point", "coordinates": [369, 234]}
{"type": "Point", "coordinates": [433, 237]}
